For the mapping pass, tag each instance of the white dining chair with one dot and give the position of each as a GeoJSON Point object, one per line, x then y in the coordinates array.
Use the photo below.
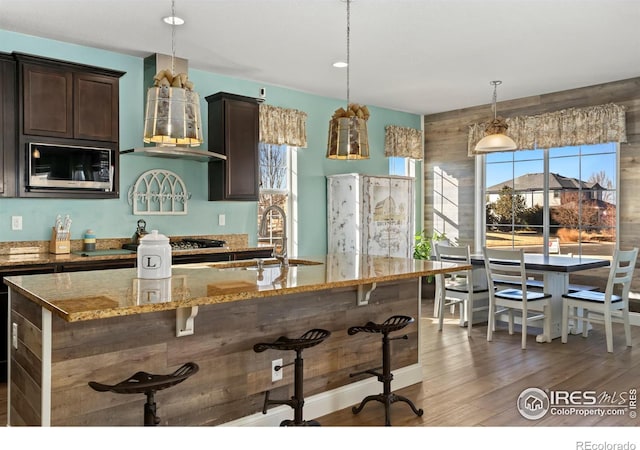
{"type": "Point", "coordinates": [509, 265]}
{"type": "Point", "coordinates": [459, 287]}
{"type": "Point", "coordinates": [603, 307]}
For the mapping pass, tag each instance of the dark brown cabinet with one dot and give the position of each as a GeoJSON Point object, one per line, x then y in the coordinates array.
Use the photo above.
{"type": "Point", "coordinates": [63, 103]}
{"type": "Point", "coordinates": [233, 132]}
{"type": "Point", "coordinates": [7, 125]}
{"type": "Point", "coordinates": [66, 102]}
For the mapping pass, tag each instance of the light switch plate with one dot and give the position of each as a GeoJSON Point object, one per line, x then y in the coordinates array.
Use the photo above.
{"type": "Point", "coordinates": [222, 219]}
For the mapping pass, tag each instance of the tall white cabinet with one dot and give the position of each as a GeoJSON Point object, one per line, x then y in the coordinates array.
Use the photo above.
{"type": "Point", "coordinates": [371, 215]}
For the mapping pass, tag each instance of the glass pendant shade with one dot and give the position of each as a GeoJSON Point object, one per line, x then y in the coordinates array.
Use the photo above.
{"type": "Point", "coordinates": [496, 143]}
{"type": "Point", "coordinates": [348, 138]}
{"type": "Point", "coordinates": [172, 117]}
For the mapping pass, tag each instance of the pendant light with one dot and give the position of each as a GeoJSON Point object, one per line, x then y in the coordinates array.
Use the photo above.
{"type": "Point", "coordinates": [172, 116]}
{"type": "Point", "coordinates": [348, 137]}
{"type": "Point", "coordinates": [495, 139]}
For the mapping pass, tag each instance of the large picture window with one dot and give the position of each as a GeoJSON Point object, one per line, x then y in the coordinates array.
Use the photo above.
{"type": "Point", "coordinates": [560, 200]}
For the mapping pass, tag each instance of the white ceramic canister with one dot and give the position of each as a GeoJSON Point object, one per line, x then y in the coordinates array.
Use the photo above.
{"type": "Point", "coordinates": [154, 256]}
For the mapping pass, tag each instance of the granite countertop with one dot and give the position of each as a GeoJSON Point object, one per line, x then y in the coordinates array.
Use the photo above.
{"type": "Point", "coordinates": [79, 296]}
{"type": "Point", "coordinates": [30, 253]}
{"type": "Point", "coordinates": [44, 258]}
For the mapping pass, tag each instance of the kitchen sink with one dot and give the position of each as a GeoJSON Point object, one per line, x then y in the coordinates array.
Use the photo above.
{"type": "Point", "coordinates": [269, 263]}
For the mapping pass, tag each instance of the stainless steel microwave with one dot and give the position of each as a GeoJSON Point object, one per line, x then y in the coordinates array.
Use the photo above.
{"type": "Point", "coordinates": [53, 166]}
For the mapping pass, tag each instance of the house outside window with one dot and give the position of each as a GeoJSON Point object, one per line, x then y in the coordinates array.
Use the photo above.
{"type": "Point", "coordinates": [561, 196]}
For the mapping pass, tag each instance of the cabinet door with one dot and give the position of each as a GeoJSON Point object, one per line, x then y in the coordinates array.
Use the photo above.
{"type": "Point", "coordinates": [95, 107]}
{"type": "Point", "coordinates": [233, 132]}
{"type": "Point", "coordinates": [7, 127]}
{"type": "Point", "coordinates": [47, 101]}
{"type": "Point", "coordinates": [241, 136]}
{"type": "Point", "coordinates": [388, 204]}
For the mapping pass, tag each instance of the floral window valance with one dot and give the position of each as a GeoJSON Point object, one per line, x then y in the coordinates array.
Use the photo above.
{"type": "Point", "coordinates": [282, 126]}
{"type": "Point", "coordinates": [403, 142]}
{"type": "Point", "coordinates": [567, 127]}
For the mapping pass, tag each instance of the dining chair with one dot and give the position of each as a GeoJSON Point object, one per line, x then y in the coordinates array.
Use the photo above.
{"type": "Point", "coordinates": [603, 307]}
{"type": "Point", "coordinates": [509, 265]}
{"type": "Point", "coordinates": [459, 287]}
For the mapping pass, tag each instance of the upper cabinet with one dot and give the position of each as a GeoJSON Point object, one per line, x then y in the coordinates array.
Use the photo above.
{"type": "Point", "coordinates": [68, 100]}
{"type": "Point", "coordinates": [63, 103]}
{"type": "Point", "coordinates": [7, 125]}
{"type": "Point", "coordinates": [233, 132]}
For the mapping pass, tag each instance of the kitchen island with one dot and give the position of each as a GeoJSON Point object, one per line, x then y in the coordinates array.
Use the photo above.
{"type": "Point", "coordinates": [72, 328]}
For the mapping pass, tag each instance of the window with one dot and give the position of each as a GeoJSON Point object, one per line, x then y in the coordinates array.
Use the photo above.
{"type": "Point", "coordinates": [402, 166]}
{"type": "Point", "coordinates": [275, 189]}
{"type": "Point", "coordinates": [566, 195]}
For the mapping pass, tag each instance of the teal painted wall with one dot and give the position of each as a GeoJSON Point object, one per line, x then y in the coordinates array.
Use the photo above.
{"type": "Point", "coordinates": [113, 218]}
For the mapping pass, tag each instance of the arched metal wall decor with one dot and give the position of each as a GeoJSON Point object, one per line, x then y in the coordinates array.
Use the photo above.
{"type": "Point", "coordinates": [159, 192]}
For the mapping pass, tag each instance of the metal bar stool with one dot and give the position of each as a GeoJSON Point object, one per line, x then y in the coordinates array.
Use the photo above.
{"type": "Point", "coordinates": [148, 384]}
{"type": "Point", "coordinates": [309, 339]}
{"type": "Point", "coordinates": [387, 397]}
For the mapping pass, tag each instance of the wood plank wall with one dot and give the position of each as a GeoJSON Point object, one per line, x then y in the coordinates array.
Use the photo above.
{"type": "Point", "coordinates": [232, 378]}
{"type": "Point", "coordinates": [446, 136]}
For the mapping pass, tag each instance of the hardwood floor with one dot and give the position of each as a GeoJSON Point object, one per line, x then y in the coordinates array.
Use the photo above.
{"type": "Point", "coordinates": [474, 383]}
{"type": "Point", "coordinates": [471, 382]}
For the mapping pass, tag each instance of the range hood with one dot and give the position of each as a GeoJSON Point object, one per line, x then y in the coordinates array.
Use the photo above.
{"type": "Point", "coordinates": [152, 65]}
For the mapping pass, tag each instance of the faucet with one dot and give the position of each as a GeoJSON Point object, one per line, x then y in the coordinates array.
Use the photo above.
{"type": "Point", "coordinates": [282, 256]}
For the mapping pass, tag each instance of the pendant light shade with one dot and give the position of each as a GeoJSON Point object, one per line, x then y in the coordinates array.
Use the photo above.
{"type": "Point", "coordinates": [348, 136]}
{"type": "Point", "coordinates": [495, 140]}
{"type": "Point", "coordinates": [172, 116]}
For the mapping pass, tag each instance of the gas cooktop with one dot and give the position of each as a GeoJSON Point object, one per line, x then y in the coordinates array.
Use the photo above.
{"type": "Point", "coordinates": [197, 243]}
{"type": "Point", "coordinates": [185, 244]}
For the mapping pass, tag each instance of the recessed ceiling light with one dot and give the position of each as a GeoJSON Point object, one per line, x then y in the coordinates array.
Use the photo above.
{"type": "Point", "coordinates": [340, 64]}
{"type": "Point", "coordinates": [173, 20]}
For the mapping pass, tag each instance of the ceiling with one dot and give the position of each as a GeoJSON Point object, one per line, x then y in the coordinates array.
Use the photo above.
{"type": "Point", "coordinates": [418, 56]}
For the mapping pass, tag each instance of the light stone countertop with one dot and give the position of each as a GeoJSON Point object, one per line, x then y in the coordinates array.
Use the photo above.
{"type": "Point", "coordinates": [44, 258]}
{"type": "Point", "coordinates": [79, 296]}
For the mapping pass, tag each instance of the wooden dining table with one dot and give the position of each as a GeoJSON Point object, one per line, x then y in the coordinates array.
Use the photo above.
{"type": "Point", "coordinates": [555, 271]}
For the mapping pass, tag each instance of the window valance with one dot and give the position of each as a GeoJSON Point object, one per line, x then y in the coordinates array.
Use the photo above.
{"type": "Point", "coordinates": [282, 126]}
{"type": "Point", "coordinates": [403, 142]}
{"type": "Point", "coordinates": [567, 127]}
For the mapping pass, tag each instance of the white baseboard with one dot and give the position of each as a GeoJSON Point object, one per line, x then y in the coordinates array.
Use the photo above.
{"type": "Point", "coordinates": [331, 401]}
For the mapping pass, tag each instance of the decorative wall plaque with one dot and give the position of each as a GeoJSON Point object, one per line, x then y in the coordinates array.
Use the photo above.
{"type": "Point", "coordinates": [159, 192]}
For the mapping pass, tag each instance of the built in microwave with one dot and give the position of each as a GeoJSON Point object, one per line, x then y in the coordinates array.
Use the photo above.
{"type": "Point", "coordinates": [53, 166]}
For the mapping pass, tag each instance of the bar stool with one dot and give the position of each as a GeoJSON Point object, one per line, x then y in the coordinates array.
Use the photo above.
{"type": "Point", "coordinates": [148, 384]}
{"type": "Point", "coordinates": [387, 397]}
{"type": "Point", "coordinates": [309, 339]}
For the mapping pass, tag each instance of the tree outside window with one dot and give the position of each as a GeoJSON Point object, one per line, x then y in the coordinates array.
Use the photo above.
{"type": "Point", "coordinates": [274, 190]}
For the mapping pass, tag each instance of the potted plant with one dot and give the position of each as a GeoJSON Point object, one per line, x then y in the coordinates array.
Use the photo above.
{"type": "Point", "coordinates": [422, 247]}
{"type": "Point", "coordinates": [422, 250]}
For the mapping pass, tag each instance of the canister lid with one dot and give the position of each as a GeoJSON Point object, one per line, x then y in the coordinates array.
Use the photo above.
{"type": "Point", "coordinates": [153, 237]}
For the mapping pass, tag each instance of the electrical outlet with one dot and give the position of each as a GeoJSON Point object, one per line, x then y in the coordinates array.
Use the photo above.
{"type": "Point", "coordinates": [222, 220]}
{"type": "Point", "coordinates": [276, 370]}
{"type": "Point", "coordinates": [16, 223]}
{"type": "Point", "coordinates": [14, 335]}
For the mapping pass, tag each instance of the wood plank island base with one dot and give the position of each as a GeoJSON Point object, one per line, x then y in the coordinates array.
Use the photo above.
{"type": "Point", "coordinates": [72, 328]}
